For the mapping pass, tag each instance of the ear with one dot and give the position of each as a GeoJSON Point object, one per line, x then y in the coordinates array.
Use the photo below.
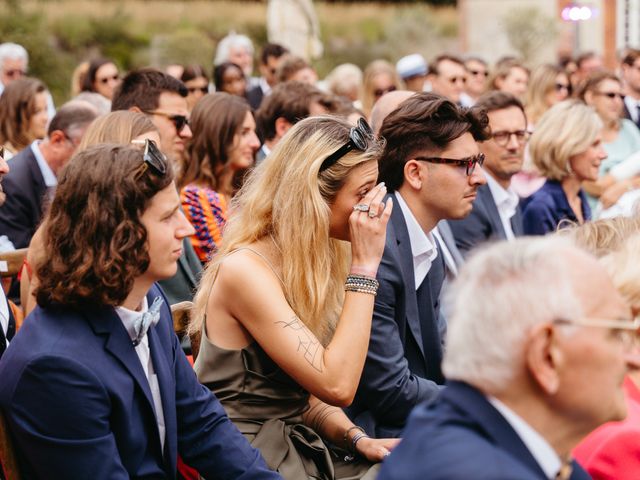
{"type": "Point", "coordinates": [588, 97]}
{"type": "Point", "coordinates": [414, 175]}
{"type": "Point", "coordinates": [57, 137]}
{"type": "Point", "coordinates": [543, 357]}
{"type": "Point", "coordinates": [282, 126]}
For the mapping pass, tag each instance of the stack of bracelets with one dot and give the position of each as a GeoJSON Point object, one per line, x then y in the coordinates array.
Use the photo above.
{"type": "Point", "coordinates": [351, 446]}
{"type": "Point", "coordinates": [361, 284]}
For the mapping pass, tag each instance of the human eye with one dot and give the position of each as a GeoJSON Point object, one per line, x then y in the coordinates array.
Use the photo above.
{"type": "Point", "coordinates": [500, 136]}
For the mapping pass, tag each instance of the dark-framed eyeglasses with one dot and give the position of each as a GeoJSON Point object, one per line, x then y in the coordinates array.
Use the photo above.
{"type": "Point", "coordinates": [203, 90]}
{"type": "Point", "coordinates": [378, 92]}
{"type": "Point", "coordinates": [152, 158]}
{"type": "Point", "coordinates": [180, 121]}
{"type": "Point", "coordinates": [610, 95]}
{"type": "Point", "coordinates": [503, 138]}
{"type": "Point", "coordinates": [359, 137]}
{"type": "Point", "coordinates": [454, 80]}
{"type": "Point", "coordinates": [476, 73]}
{"type": "Point", "coordinates": [112, 78]}
{"type": "Point", "coordinates": [469, 163]}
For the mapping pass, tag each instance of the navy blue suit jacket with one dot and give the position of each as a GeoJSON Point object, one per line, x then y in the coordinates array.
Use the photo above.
{"type": "Point", "coordinates": [462, 436]}
{"type": "Point", "coordinates": [545, 209]}
{"type": "Point", "coordinates": [394, 379]}
{"type": "Point", "coordinates": [483, 223]}
{"type": "Point", "coordinates": [21, 212]}
{"type": "Point", "coordinates": [79, 405]}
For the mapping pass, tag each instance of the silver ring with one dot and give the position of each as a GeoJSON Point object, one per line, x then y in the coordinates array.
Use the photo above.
{"type": "Point", "coordinates": [361, 207]}
{"type": "Point", "coordinates": [372, 214]}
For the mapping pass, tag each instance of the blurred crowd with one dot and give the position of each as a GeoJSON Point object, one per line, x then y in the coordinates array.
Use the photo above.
{"type": "Point", "coordinates": [422, 269]}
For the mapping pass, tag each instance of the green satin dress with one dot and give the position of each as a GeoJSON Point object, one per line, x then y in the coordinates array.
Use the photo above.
{"type": "Point", "coordinates": [267, 406]}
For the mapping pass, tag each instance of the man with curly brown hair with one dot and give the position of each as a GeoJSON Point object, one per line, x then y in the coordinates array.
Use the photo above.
{"type": "Point", "coordinates": [95, 383]}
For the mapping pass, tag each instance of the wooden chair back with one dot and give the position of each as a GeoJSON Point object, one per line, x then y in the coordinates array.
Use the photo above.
{"type": "Point", "coordinates": [181, 316]}
{"type": "Point", "coordinates": [11, 262]}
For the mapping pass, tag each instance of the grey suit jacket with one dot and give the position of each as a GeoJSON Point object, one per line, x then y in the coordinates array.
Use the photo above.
{"type": "Point", "coordinates": [483, 223]}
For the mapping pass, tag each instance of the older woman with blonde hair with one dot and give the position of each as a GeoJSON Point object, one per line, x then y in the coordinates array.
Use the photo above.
{"type": "Point", "coordinates": [284, 337]}
{"type": "Point", "coordinates": [566, 148]}
{"type": "Point", "coordinates": [548, 85]}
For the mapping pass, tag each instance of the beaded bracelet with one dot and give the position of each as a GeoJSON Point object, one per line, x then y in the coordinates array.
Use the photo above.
{"type": "Point", "coordinates": [361, 284]}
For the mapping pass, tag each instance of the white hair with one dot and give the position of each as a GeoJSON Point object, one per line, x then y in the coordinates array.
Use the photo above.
{"type": "Point", "coordinates": [502, 292]}
{"type": "Point", "coordinates": [344, 79]}
{"type": "Point", "coordinates": [233, 40]}
{"type": "Point", "coordinates": [13, 51]}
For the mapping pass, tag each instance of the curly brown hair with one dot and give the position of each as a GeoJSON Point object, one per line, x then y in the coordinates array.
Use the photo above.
{"type": "Point", "coordinates": [94, 242]}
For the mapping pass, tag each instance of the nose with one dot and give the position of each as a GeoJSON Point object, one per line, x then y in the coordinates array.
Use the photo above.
{"type": "Point", "coordinates": [513, 143]}
{"type": "Point", "coordinates": [602, 154]}
{"type": "Point", "coordinates": [185, 229]}
{"type": "Point", "coordinates": [4, 166]}
{"type": "Point", "coordinates": [477, 177]}
{"type": "Point", "coordinates": [185, 132]}
{"type": "Point", "coordinates": [254, 141]}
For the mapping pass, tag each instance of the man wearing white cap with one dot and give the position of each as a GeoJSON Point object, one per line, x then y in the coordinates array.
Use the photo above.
{"type": "Point", "coordinates": [413, 71]}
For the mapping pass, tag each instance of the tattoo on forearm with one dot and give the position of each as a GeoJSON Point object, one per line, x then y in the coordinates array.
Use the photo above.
{"type": "Point", "coordinates": [307, 342]}
{"type": "Point", "coordinates": [318, 414]}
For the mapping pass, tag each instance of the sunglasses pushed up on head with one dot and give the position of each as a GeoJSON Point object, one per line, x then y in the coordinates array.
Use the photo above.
{"type": "Point", "coordinates": [152, 158]}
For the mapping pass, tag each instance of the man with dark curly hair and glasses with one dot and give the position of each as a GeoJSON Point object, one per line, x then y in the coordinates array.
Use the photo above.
{"type": "Point", "coordinates": [432, 168]}
{"type": "Point", "coordinates": [95, 384]}
{"type": "Point", "coordinates": [496, 213]}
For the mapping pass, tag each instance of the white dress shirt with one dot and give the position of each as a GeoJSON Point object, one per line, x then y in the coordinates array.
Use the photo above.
{"type": "Point", "coordinates": [506, 201]}
{"type": "Point", "coordinates": [264, 86]}
{"type": "Point", "coordinates": [539, 448]}
{"type": "Point", "coordinates": [423, 245]}
{"type": "Point", "coordinates": [49, 177]}
{"type": "Point", "coordinates": [4, 314]}
{"type": "Point", "coordinates": [632, 105]}
{"type": "Point", "coordinates": [128, 318]}
{"type": "Point", "coordinates": [446, 254]}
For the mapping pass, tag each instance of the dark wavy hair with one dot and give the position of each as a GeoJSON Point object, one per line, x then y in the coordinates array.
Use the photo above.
{"type": "Point", "coordinates": [94, 243]}
{"type": "Point", "coordinates": [425, 121]}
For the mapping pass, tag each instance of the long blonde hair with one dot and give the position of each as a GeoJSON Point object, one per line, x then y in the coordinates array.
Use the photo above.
{"type": "Point", "coordinates": [375, 68]}
{"type": "Point", "coordinates": [541, 83]}
{"type": "Point", "coordinates": [288, 198]}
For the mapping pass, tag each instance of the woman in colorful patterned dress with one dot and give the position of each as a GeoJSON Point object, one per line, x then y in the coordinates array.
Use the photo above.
{"type": "Point", "coordinates": [221, 151]}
